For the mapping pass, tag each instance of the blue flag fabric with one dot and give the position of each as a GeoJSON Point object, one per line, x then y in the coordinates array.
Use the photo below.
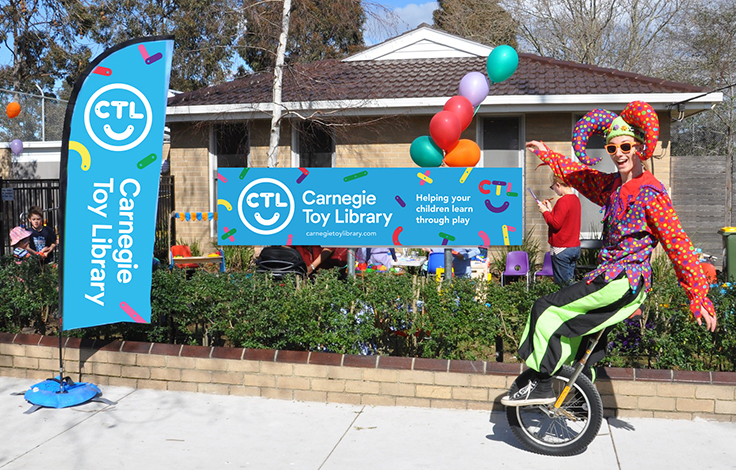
{"type": "Point", "coordinates": [110, 166]}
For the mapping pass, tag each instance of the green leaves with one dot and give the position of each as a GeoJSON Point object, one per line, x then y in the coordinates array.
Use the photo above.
{"type": "Point", "coordinates": [385, 314]}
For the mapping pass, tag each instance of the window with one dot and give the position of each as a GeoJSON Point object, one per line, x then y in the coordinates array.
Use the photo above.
{"type": "Point", "coordinates": [591, 216]}
{"type": "Point", "coordinates": [501, 142]}
{"type": "Point", "coordinates": [231, 145]}
{"type": "Point", "coordinates": [316, 145]}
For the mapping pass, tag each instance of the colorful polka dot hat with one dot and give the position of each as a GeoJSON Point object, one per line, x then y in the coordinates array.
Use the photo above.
{"type": "Point", "coordinates": [639, 115]}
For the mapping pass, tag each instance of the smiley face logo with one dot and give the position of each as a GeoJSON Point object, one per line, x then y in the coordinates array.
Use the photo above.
{"type": "Point", "coordinates": [264, 203]}
{"type": "Point", "coordinates": [118, 117]}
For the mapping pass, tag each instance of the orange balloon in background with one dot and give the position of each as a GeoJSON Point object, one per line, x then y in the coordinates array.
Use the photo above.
{"type": "Point", "coordinates": [12, 110]}
{"type": "Point", "coordinates": [466, 153]}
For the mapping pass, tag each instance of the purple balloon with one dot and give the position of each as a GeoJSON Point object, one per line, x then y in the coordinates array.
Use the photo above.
{"type": "Point", "coordinates": [16, 146]}
{"type": "Point", "coordinates": [474, 86]}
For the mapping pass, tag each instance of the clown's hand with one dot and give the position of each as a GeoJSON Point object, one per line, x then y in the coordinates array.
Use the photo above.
{"type": "Point", "coordinates": [708, 318]}
{"type": "Point", "coordinates": [537, 147]}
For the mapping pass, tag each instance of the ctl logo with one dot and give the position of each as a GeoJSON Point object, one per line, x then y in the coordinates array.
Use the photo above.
{"type": "Point", "coordinates": [269, 202]}
{"type": "Point", "coordinates": [118, 117]}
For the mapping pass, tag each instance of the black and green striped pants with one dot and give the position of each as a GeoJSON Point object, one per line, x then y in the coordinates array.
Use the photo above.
{"type": "Point", "coordinates": [558, 322]}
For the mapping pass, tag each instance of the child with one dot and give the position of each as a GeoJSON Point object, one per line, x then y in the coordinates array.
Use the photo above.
{"type": "Point", "coordinates": [43, 238]}
{"type": "Point", "coordinates": [19, 240]}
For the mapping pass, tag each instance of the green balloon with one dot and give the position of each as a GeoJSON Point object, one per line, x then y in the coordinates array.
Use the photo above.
{"type": "Point", "coordinates": [425, 153]}
{"type": "Point", "coordinates": [502, 63]}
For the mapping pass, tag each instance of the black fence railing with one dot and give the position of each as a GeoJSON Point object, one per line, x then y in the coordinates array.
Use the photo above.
{"type": "Point", "coordinates": [17, 196]}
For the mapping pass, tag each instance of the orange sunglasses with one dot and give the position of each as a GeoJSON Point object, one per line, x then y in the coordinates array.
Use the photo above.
{"type": "Point", "coordinates": [624, 146]}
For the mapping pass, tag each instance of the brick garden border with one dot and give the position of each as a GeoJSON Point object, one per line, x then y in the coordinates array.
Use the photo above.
{"type": "Point", "coordinates": [353, 379]}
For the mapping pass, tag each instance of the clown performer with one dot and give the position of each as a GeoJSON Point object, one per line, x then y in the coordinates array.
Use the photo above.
{"type": "Point", "coordinates": [638, 215]}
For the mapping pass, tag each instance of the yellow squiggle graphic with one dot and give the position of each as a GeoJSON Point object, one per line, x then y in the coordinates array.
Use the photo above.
{"type": "Point", "coordinates": [223, 202]}
{"type": "Point", "coordinates": [83, 152]}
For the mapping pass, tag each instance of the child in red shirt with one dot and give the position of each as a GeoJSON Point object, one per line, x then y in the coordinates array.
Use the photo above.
{"type": "Point", "coordinates": [564, 230]}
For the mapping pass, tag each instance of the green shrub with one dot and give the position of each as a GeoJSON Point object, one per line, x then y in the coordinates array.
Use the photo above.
{"type": "Point", "coordinates": [374, 314]}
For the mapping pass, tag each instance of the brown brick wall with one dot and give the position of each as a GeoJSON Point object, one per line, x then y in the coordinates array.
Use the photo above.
{"type": "Point", "coordinates": [356, 146]}
{"type": "Point", "coordinates": [337, 378]}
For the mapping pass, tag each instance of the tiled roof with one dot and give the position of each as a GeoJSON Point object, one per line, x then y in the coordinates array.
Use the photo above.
{"type": "Point", "coordinates": [421, 78]}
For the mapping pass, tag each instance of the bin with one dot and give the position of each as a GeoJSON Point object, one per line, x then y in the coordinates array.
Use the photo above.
{"type": "Point", "coordinates": [729, 251]}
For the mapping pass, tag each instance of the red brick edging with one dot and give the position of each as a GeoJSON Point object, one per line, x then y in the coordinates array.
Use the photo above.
{"type": "Point", "coordinates": [349, 360]}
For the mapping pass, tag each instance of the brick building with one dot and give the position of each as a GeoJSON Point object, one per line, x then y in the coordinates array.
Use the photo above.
{"type": "Point", "coordinates": [365, 110]}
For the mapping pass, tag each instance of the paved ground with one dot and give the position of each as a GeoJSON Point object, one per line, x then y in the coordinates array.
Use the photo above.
{"type": "Point", "coordinates": [152, 429]}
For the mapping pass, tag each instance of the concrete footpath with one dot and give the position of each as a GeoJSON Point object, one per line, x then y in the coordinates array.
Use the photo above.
{"type": "Point", "coordinates": [154, 429]}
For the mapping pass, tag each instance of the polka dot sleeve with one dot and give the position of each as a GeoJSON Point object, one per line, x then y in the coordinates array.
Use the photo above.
{"type": "Point", "coordinates": [665, 225]}
{"type": "Point", "coordinates": [591, 183]}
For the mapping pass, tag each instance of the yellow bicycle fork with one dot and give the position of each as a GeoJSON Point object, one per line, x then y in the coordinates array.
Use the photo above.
{"type": "Point", "coordinates": [578, 370]}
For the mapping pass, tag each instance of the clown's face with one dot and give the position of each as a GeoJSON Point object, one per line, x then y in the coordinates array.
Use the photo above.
{"type": "Point", "coordinates": [627, 161]}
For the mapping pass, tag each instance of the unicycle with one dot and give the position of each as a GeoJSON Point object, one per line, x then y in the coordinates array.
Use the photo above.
{"type": "Point", "coordinates": [567, 426]}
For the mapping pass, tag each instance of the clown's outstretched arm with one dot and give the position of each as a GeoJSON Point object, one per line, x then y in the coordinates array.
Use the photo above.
{"type": "Point", "coordinates": [593, 184]}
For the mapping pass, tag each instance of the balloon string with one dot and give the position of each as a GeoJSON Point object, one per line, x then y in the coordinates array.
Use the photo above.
{"type": "Point", "coordinates": [476, 110]}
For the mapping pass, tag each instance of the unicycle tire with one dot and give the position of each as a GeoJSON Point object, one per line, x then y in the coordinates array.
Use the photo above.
{"type": "Point", "coordinates": [564, 433]}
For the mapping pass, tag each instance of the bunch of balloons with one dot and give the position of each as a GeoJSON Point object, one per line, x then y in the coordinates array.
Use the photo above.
{"type": "Point", "coordinates": [13, 110]}
{"type": "Point", "coordinates": [443, 144]}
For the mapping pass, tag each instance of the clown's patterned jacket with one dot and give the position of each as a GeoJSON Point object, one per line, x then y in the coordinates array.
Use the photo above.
{"type": "Point", "coordinates": [638, 215]}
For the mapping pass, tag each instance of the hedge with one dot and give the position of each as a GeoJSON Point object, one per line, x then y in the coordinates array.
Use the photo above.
{"type": "Point", "coordinates": [374, 314]}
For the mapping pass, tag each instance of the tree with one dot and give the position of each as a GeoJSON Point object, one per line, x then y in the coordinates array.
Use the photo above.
{"type": "Point", "coordinates": [622, 34]}
{"type": "Point", "coordinates": [40, 37]}
{"type": "Point", "coordinates": [204, 32]}
{"type": "Point", "coordinates": [483, 21]}
{"type": "Point", "coordinates": [319, 29]}
{"type": "Point", "coordinates": [707, 57]}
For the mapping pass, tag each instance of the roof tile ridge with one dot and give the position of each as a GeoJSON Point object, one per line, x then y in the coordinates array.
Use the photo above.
{"type": "Point", "coordinates": [608, 70]}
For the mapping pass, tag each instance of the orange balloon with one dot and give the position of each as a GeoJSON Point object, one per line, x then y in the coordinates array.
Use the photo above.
{"type": "Point", "coordinates": [12, 110]}
{"type": "Point", "coordinates": [466, 153]}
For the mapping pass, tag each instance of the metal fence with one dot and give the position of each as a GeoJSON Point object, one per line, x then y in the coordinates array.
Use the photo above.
{"type": "Point", "coordinates": [41, 117]}
{"type": "Point", "coordinates": [19, 195]}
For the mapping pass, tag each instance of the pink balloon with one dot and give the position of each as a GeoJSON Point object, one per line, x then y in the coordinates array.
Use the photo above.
{"type": "Point", "coordinates": [463, 108]}
{"type": "Point", "coordinates": [445, 129]}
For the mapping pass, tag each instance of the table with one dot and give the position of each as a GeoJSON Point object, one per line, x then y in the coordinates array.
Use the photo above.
{"type": "Point", "coordinates": [410, 263]}
{"type": "Point", "coordinates": [415, 262]}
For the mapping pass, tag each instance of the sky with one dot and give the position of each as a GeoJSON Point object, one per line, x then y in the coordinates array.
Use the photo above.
{"type": "Point", "coordinates": [410, 14]}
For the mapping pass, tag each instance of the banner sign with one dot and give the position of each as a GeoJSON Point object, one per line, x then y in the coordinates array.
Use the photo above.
{"type": "Point", "coordinates": [355, 207]}
{"type": "Point", "coordinates": [110, 166]}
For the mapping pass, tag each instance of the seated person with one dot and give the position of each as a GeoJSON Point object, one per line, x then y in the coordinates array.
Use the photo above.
{"type": "Point", "coordinates": [318, 257]}
{"type": "Point", "coordinates": [461, 259]}
{"type": "Point", "coordinates": [20, 240]}
{"type": "Point", "coordinates": [43, 238]}
{"type": "Point", "coordinates": [376, 256]}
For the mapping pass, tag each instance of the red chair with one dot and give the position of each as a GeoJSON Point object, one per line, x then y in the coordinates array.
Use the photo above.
{"type": "Point", "coordinates": [184, 252]}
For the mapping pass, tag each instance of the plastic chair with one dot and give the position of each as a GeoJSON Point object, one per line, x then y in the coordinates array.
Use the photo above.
{"type": "Point", "coordinates": [436, 260]}
{"type": "Point", "coordinates": [546, 266]}
{"type": "Point", "coordinates": [517, 264]}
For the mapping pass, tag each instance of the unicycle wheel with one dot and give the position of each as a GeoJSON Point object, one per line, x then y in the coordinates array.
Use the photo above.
{"type": "Point", "coordinates": [567, 431]}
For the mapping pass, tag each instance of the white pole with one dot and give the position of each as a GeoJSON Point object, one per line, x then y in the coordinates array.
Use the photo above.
{"type": "Point", "coordinates": [278, 73]}
{"type": "Point", "coordinates": [43, 114]}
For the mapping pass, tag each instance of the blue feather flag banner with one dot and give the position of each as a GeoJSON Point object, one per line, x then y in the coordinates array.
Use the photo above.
{"type": "Point", "coordinates": [110, 165]}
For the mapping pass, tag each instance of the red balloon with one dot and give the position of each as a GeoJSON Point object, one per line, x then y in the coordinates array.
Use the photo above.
{"type": "Point", "coordinates": [466, 153]}
{"type": "Point", "coordinates": [445, 129]}
{"type": "Point", "coordinates": [463, 109]}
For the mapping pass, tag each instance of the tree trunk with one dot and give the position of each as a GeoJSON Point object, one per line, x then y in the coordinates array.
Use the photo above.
{"type": "Point", "coordinates": [278, 73]}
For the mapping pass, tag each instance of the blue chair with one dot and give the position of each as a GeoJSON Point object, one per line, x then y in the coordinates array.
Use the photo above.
{"type": "Point", "coordinates": [546, 266]}
{"type": "Point", "coordinates": [517, 264]}
{"type": "Point", "coordinates": [436, 260]}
